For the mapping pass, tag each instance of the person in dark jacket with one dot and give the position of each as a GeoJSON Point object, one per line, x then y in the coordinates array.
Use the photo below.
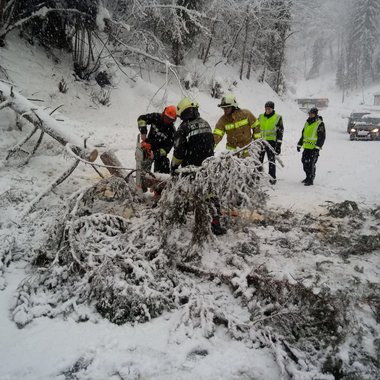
{"type": "Point", "coordinates": [271, 130]}
{"type": "Point", "coordinates": [159, 141]}
{"type": "Point", "coordinates": [312, 139]}
{"type": "Point", "coordinates": [193, 143]}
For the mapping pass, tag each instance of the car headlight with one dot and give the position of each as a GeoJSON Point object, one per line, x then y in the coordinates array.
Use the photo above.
{"type": "Point", "coordinates": [375, 130]}
{"type": "Point", "coordinates": [353, 130]}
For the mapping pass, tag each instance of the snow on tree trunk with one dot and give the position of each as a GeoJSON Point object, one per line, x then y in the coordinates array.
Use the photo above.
{"type": "Point", "coordinates": [40, 118]}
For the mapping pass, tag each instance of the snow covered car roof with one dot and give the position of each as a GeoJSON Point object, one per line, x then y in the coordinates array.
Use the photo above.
{"type": "Point", "coordinates": [372, 115]}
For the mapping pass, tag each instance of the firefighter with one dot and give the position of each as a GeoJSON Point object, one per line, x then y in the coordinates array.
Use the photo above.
{"type": "Point", "coordinates": [240, 125]}
{"type": "Point", "coordinates": [193, 143]}
{"type": "Point", "coordinates": [312, 139]}
{"type": "Point", "coordinates": [271, 130]}
{"type": "Point", "coordinates": [158, 143]}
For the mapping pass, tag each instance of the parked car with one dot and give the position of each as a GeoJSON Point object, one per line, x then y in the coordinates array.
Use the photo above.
{"type": "Point", "coordinates": [354, 118]}
{"type": "Point", "coordinates": [366, 128]}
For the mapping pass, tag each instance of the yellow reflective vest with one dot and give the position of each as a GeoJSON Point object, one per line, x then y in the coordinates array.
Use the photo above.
{"type": "Point", "coordinates": [310, 134]}
{"type": "Point", "coordinates": [268, 126]}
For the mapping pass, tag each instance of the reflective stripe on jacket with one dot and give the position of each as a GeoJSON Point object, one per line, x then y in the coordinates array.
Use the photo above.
{"type": "Point", "coordinates": [268, 126]}
{"type": "Point", "coordinates": [239, 127]}
{"type": "Point", "coordinates": [310, 134]}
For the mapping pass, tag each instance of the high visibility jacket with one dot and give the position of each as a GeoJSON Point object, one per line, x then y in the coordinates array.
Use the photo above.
{"type": "Point", "coordinates": [241, 126]}
{"type": "Point", "coordinates": [268, 126]}
{"type": "Point", "coordinates": [310, 134]}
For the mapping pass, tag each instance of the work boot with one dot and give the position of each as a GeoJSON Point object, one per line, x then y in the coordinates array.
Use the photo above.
{"type": "Point", "coordinates": [216, 228]}
{"type": "Point", "coordinates": [309, 182]}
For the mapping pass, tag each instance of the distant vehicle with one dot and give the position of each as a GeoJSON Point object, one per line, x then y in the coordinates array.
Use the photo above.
{"type": "Point", "coordinates": [306, 103]}
{"type": "Point", "coordinates": [366, 128]}
{"type": "Point", "coordinates": [354, 118]}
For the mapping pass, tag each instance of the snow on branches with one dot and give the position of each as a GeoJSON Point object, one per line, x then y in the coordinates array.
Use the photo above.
{"type": "Point", "coordinates": [100, 261]}
{"type": "Point", "coordinates": [223, 183]}
{"type": "Point", "coordinates": [109, 255]}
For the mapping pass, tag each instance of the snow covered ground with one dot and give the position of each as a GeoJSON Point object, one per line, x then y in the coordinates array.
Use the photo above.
{"type": "Point", "coordinates": [97, 349]}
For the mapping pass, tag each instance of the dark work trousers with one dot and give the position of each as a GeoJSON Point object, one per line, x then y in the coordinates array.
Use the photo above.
{"type": "Point", "coordinates": [271, 158]}
{"type": "Point", "coordinates": [162, 165]}
{"type": "Point", "coordinates": [309, 159]}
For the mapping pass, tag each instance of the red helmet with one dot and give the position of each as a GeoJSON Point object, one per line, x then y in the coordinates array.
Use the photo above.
{"type": "Point", "coordinates": [170, 112]}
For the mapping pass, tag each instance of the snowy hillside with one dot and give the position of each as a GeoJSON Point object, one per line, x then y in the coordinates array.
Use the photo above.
{"type": "Point", "coordinates": [290, 292]}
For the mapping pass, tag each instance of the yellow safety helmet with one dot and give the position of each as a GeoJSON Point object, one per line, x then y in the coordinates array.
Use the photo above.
{"type": "Point", "coordinates": [228, 100]}
{"type": "Point", "coordinates": [184, 104]}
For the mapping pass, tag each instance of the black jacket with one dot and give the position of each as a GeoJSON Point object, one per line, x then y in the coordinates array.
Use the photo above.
{"type": "Point", "coordinates": [321, 132]}
{"type": "Point", "coordinates": [161, 135]}
{"type": "Point", "coordinates": [193, 141]}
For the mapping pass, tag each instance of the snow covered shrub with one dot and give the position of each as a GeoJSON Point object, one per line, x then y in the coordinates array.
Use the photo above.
{"type": "Point", "coordinates": [132, 293]}
{"type": "Point", "coordinates": [305, 318]}
{"type": "Point", "coordinates": [102, 97]}
{"type": "Point", "coordinates": [103, 263]}
{"type": "Point", "coordinates": [222, 183]}
{"type": "Point", "coordinates": [219, 86]}
{"type": "Point", "coordinates": [376, 213]}
{"type": "Point", "coordinates": [216, 89]}
{"type": "Point", "coordinates": [62, 86]}
{"type": "Point", "coordinates": [110, 195]}
{"type": "Point", "coordinates": [103, 79]}
{"type": "Point", "coordinates": [99, 260]}
{"type": "Point", "coordinates": [343, 209]}
{"type": "Point", "coordinates": [193, 79]}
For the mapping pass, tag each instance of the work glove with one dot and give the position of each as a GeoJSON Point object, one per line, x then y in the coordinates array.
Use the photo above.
{"type": "Point", "coordinates": [146, 146]}
{"type": "Point", "coordinates": [277, 148]}
{"type": "Point", "coordinates": [160, 153]}
{"type": "Point", "coordinates": [298, 148]}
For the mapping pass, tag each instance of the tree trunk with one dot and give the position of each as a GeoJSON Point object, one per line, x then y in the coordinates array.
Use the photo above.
{"type": "Point", "coordinates": [233, 43]}
{"type": "Point", "coordinates": [244, 44]}
{"type": "Point", "coordinates": [209, 42]}
{"type": "Point", "coordinates": [249, 69]}
{"type": "Point", "coordinates": [42, 120]}
{"type": "Point", "coordinates": [109, 158]}
{"type": "Point", "coordinates": [279, 70]}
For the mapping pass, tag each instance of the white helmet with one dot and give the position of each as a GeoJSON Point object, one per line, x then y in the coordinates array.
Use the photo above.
{"type": "Point", "coordinates": [228, 100]}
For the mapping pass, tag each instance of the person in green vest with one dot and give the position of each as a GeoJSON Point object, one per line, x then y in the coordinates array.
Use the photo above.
{"type": "Point", "coordinates": [271, 130]}
{"type": "Point", "coordinates": [312, 139]}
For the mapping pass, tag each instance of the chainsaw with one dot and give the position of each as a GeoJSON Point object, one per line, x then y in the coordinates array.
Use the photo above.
{"type": "Point", "coordinates": [143, 162]}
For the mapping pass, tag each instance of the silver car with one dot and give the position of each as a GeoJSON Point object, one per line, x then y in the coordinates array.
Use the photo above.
{"type": "Point", "coordinates": [366, 128]}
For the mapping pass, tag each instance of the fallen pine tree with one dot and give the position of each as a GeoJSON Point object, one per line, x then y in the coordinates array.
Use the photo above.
{"type": "Point", "coordinates": [109, 256]}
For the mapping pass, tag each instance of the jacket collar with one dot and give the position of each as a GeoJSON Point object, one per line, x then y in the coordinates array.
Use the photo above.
{"type": "Point", "coordinates": [311, 120]}
{"type": "Point", "coordinates": [270, 115]}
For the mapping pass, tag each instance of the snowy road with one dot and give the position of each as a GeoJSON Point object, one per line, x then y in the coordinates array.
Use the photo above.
{"type": "Point", "coordinates": [345, 170]}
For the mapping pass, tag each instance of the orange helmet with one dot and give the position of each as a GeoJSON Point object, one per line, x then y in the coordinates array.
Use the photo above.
{"type": "Point", "coordinates": [170, 112]}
